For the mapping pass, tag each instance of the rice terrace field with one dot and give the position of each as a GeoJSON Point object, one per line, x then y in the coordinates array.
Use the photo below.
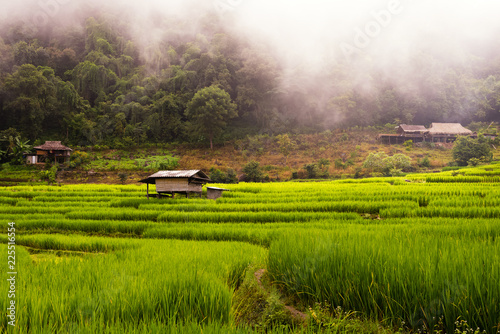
{"type": "Point", "coordinates": [413, 254]}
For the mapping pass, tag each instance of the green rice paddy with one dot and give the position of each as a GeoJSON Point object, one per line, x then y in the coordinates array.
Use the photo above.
{"type": "Point", "coordinates": [421, 253]}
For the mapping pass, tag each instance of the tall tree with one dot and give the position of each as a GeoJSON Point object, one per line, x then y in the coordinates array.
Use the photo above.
{"type": "Point", "coordinates": [257, 85]}
{"type": "Point", "coordinates": [31, 94]}
{"type": "Point", "coordinates": [209, 110]}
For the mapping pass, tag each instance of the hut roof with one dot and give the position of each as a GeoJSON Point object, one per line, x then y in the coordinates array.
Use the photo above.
{"type": "Point", "coordinates": [166, 174]}
{"type": "Point", "coordinates": [218, 189]}
{"type": "Point", "coordinates": [413, 128]}
{"type": "Point", "coordinates": [448, 129]}
{"type": "Point", "coordinates": [52, 146]}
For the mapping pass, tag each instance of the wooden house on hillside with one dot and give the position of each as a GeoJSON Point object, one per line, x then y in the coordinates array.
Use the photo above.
{"type": "Point", "coordinates": [438, 132]}
{"type": "Point", "coordinates": [51, 151]}
{"type": "Point", "coordinates": [404, 132]}
{"type": "Point", "coordinates": [412, 130]}
{"type": "Point", "coordinates": [447, 132]}
{"type": "Point", "coordinates": [177, 182]}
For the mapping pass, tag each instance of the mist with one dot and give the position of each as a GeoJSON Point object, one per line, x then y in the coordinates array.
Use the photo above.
{"type": "Point", "coordinates": [309, 32]}
{"type": "Point", "coordinates": [310, 40]}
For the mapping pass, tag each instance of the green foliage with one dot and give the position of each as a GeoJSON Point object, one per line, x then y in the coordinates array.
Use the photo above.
{"type": "Point", "coordinates": [467, 148]}
{"type": "Point", "coordinates": [79, 158]}
{"type": "Point", "coordinates": [49, 175]}
{"type": "Point", "coordinates": [94, 85]}
{"type": "Point", "coordinates": [312, 170]}
{"type": "Point", "coordinates": [123, 177]}
{"type": "Point", "coordinates": [339, 164]}
{"type": "Point", "coordinates": [408, 144]}
{"type": "Point", "coordinates": [321, 318]}
{"type": "Point", "coordinates": [219, 176]}
{"type": "Point", "coordinates": [318, 169]}
{"type": "Point", "coordinates": [389, 165]}
{"type": "Point", "coordinates": [253, 172]}
{"type": "Point", "coordinates": [398, 161]}
{"type": "Point", "coordinates": [127, 161]}
{"type": "Point", "coordinates": [286, 145]}
{"type": "Point", "coordinates": [375, 161]}
{"type": "Point", "coordinates": [425, 162]}
{"type": "Point", "coordinates": [209, 111]}
{"type": "Point", "coordinates": [474, 162]}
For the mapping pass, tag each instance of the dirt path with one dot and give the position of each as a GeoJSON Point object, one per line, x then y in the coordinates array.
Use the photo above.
{"type": "Point", "coordinates": [293, 311]}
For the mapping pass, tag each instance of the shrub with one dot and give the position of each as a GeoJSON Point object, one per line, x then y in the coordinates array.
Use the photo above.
{"type": "Point", "coordinates": [219, 176]}
{"type": "Point", "coordinates": [425, 162]}
{"type": "Point", "coordinates": [253, 172]}
{"type": "Point", "coordinates": [123, 177]}
{"type": "Point", "coordinates": [79, 158]}
{"type": "Point", "coordinates": [466, 148]}
{"type": "Point", "coordinates": [49, 174]}
{"type": "Point", "coordinates": [474, 162]}
{"type": "Point", "coordinates": [312, 171]}
{"type": "Point", "coordinates": [231, 176]}
{"type": "Point", "coordinates": [381, 162]}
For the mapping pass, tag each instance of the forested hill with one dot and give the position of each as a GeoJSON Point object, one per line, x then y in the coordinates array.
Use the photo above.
{"type": "Point", "coordinates": [97, 81]}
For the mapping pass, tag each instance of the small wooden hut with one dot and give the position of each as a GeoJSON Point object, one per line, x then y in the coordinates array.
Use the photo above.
{"type": "Point", "coordinates": [438, 132]}
{"type": "Point", "coordinates": [412, 132]}
{"type": "Point", "coordinates": [415, 133]}
{"type": "Point", "coordinates": [214, 193]}
{"type": "Point", "coordinates": [177, 182]}
{"type": "Point", "coordinates": [52, 151]}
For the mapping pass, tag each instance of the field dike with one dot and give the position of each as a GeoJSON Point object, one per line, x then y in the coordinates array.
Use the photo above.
{"type": "Point", "coordinates": [258, 304]}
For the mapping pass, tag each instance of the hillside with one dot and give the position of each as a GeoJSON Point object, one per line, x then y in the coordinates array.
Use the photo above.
{"type": "Point", "coordinates": [346, 147]}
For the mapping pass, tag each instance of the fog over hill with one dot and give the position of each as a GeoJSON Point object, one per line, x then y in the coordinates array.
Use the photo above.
{"type": "Point", "coordinates": [320, 63]}
{"type": "Point", "coordinates": [302, 32]}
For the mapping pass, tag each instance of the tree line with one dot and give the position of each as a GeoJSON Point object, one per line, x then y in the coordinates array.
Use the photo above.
{"type": "Point", "coordinates": [92, 84]}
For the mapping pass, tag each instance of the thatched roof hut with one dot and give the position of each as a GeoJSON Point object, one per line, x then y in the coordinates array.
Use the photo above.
{"type": "Point", "coordinates": [52, 151]}
{"type": "Point", "coordinates": [411, 129]}
{"type": "Point", "coordinates": [52, 146]}
{"type": "Point", "coordinates": [449, 129]}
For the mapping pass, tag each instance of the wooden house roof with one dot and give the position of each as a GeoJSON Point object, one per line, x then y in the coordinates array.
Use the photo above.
{"type": "Point", "coordinates": [449, 129]}
{"type": "Point", "coordinates": [413, 128]}
{"type": "Point", "coordinates": [52, 146]}
{"type": "Point", "coordinates": [217, 189]}
{"type": "Point", "coordinates": [167, 174]}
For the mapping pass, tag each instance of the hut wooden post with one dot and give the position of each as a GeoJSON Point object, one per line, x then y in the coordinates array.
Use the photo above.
{"type": "Point", "coordinates": [147, 190]}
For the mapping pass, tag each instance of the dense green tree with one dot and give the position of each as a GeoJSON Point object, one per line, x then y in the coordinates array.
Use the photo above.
{"type": "Point", "coordinates": [6, 59]}
{"type": "Point", "coordinates": [252, 172]}
{"type": "Point", "coordinates": [209, 111]}
{"type": "Point", "coordinates": [257, 84]}
{"type": "Point", "coordinates": [466, 148]}
{"type": "Point", "coordinates": [31, 95]}
{"type": "Point", "coordinates": [90, 80]}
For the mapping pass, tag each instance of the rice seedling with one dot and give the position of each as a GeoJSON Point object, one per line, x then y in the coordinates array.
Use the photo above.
{"type": "Point", "coordinates": [400, 251]}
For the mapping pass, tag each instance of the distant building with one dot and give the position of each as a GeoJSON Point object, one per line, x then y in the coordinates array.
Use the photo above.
{"type": "Point", "coordinates": [177, 182]}
{"type": "Point", "coordinates": [51, 151]}
{"type": "Point", "coordinates": [447, 132]}
{"type": "Point", "coordinates": [438, 132]}
{"type": "Point", "coordinates": [409, 130]}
